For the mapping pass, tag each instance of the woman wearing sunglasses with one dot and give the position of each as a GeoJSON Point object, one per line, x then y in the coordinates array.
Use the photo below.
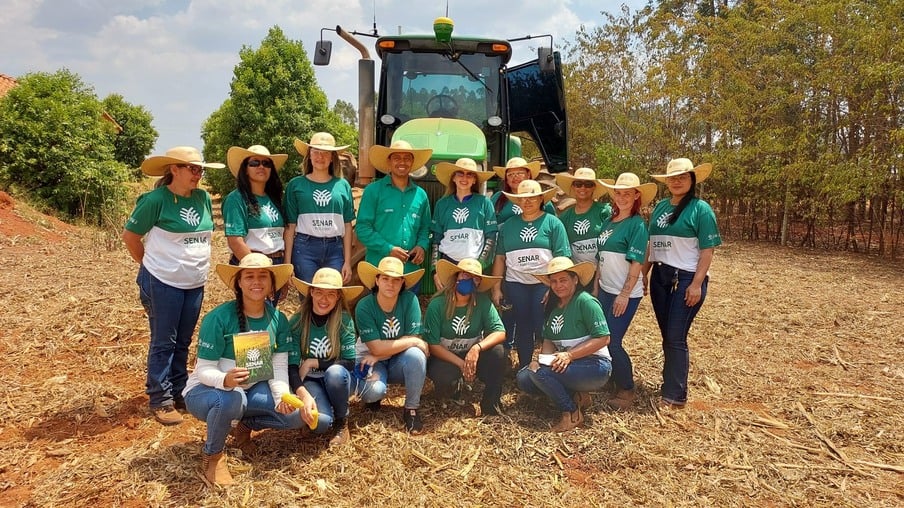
{"type": "Point", "coordinates": [168, 235]}
{"type": "Point", "coordinates": [320, 211]}
{"type": "Point", "coordinates": [252, 213]}
{"type": "Point", "coordinates": [583, 221]}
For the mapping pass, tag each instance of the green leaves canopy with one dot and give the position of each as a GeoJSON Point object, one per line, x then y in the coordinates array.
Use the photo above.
{"type": "Point", "coordinates": [274, 98]}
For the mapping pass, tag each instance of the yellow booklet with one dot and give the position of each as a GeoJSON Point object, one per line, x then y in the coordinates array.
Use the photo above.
{"type": "Point", "coordinates": [253, 352]}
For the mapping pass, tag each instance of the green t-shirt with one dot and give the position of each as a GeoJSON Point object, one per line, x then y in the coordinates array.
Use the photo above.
{"type": "Point", "coordinates": [177, 232]}
{"type": "Point", "coordinates": [679, 244]}
{"type": "Point", "coordinates": [529, 246]}
{"type": "Point", "coordinates": [319, 209]}
{"type": "Point", "coordinates": [461, 229]}
{"type": "Point", "coordinates": [262, 233]}
{"type": "Point", "coordinates": [620, 243]}
{"type": "Point", "coordinates": [374, 324]}
{"type": "Point", "coordinates": [461, 332]}
{"type": "Point", "coordinates": [389, 217]}
{"type": "Point", "coordinates": [581, 320]}
{"type": "Point", "coordinates": [584, 229]}
{"type": "Point", "coordinates": [221, 323]}
{"type": "Point", "coordinates": [510, 209]}
{"type": "Point", "coordinates": [319, 345]}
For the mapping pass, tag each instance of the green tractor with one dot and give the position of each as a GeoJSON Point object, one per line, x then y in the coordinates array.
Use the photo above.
{"type": "Point", "coordinates": [457, 96]}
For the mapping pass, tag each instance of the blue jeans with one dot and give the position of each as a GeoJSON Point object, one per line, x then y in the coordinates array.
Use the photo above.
{"type": "Point", "coordinates": [622, 370]}
{"type": "Point", "coordinates": [675, 319]}
{"type": "Point", "coordinates": [582, 375]}
{"type": "Point", "coordinates": [330, 392]}
{"type": "Point", "coordinates": [261, 413]}
{"type": "Point", "coordinates": [172, 315]}
{"type": "Point", "coordinates": [408, 367]}
{"type": "Point", "coordinates": [524, 322]}
{"type": "Point", "coordinates": [219, 409]}
{"type": "Point", "coordinates": [310, 253]}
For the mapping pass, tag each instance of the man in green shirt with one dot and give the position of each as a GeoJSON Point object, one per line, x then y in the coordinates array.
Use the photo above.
{"type": "Point", "coordinates": [394, 214]}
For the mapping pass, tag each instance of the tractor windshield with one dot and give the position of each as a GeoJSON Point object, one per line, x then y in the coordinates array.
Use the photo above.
{"type": "Point", "coordinates": [433, 85]}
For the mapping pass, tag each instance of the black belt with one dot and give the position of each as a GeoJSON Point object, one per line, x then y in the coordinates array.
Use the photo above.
{"type": "Point", "coordinates": [321, 238]}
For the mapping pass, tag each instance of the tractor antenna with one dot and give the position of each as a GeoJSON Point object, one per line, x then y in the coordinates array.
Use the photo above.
{"type": "Point", "coordinates": [447, 8]}
{"type": "Point", "coordinates": [375, 17]}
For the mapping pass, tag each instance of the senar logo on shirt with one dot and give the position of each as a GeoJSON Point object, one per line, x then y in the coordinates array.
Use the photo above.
{"type": "Point", "coordinates": [557, 323]}
{"type": "Point", "coordinates": [190, 216]}
{"type": "Point", "coordinates": [460, 215]}
{"type": "Point", "coordinates": [271, 212]}
{"type": "Point", "coordinates": [460, 325]}
{"type": "Point", "coordinates": [663, 219]}
{"type": "Point", "coordinates": [194, 240]}
{"type": "Point", "coordinates": [582, 226]}
{"type": "Point", "coordinates": [391, 327]}
{"type": "Point", "coordinates": [604, 236]}
{"type": "Point", "coordinates": [322, 197]}
{"type": "Point", "coordinates": [529, 234]}
{"type": "Point", "coordinates": [319, 347]}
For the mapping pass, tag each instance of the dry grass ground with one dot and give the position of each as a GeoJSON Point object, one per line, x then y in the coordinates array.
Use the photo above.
{"type": "Point", "coordinates": [797, 382]}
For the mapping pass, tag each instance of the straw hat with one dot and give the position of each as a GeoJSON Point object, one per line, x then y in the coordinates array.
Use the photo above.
{"type": "Point", "coordinates": [584, 269]}
{"type": "Point", "coordinates": [255, 260]}
{"type": "Point", "coordinates": [529, 189]}
{"type": "Point", "coordinates": [518, 162]}
{"type": "Point", "coordinates": [379, 155]}
{"type": "Point", "coordinates": [321, 141]}
{"type": "Point", "coordinates": [564, 180]}
{"type": "Point", "coordinates": [390, 266]}
{"type": "Point", "coordinates": [681, 166]}
{"type": "Point", "coordinates": [155, 165]}
{"type": "Point", "coordinates": [446, 270]}
{"type": "Point", "coordinates": [236, 154]}
{"type": "Point", "coordinates": [328, 278]}
{"type": "Point", "coordinates": [445, 170]}
{"type": "Point", "coordinates": [631, 181]}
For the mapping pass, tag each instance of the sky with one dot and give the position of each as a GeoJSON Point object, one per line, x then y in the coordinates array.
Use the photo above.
{"type": "Point", "coordinates": [176, 58]}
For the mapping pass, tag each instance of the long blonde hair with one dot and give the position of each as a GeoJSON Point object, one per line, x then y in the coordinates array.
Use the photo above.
{"type": "Point", "coordinates": [448, 292]}
{"type": "Point", "coordinates": [303, 319]}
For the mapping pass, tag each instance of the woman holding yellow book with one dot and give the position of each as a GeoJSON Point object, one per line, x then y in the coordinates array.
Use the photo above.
{"type": "Point", "coordinates": [238, 383]}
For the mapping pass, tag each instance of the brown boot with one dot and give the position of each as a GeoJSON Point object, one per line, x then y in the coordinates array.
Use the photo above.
{"type": "Point", "coordinates": [241, 439]}
{"type": "Point", "coordinates": [582, 400]}
{"type": "Point", "coordinates": [214, 469]}
{"type": "Point", "coordinates": [569, 421]}
{"type": "Point", "coordinates": [341, 436]}
{"type": "Point", "coordinates": [623, 400]}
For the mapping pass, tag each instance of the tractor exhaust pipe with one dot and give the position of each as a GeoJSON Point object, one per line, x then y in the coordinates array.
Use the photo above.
{"type": "Point", "coordinates": [366, 118]}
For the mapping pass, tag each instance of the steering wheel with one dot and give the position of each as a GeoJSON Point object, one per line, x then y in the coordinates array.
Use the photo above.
{"type": "Point", "coordinates": [442, 105]}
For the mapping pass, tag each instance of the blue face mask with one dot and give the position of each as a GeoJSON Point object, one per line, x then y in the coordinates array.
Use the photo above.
{"type": "Point", "coordinates": [465, 286]}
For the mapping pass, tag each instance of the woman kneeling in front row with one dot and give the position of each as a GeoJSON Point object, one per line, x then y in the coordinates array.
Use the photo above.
{"type": "Point", "coordinates": [574, 358]}
{"type": "Point", "coordinates": [465, 334]}
{"type": "Point", "coordinates": [217, 391]}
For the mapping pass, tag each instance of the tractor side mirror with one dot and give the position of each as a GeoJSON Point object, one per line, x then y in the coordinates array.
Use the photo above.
{"type": "Point", "coordinates": [322, 51]}
{"type": "Point", "coordinates": [546, 60]}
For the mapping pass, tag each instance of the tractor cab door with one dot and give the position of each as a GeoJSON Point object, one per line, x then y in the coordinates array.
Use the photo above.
{"type": "Point", "coordinates": [536, 106]}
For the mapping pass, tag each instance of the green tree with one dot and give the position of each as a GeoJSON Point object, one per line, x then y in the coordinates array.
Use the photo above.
{"type": "Point", "coordinates": [138, 136]}
{"type": "Point", "coordinates": [346, 112]}
{"type": "Point", "coordinates": [273, 99]}
{"type": "Point", "coordinates": [55, 148]}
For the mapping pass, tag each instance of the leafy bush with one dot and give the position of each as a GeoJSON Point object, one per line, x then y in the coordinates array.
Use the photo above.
{"type": "Point", "coordinates": [56, 147]}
